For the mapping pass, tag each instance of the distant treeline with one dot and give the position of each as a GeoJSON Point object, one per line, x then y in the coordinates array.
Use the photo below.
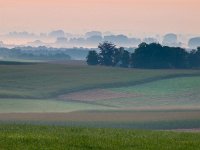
{"type": "Point", "coordinates": [152, 56]}
{"type": "Point", "coordinates": [43, 53]}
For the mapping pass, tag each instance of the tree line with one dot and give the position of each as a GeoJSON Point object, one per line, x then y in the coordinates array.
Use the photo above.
{"type": "Point", "coordinates": [150, 56]}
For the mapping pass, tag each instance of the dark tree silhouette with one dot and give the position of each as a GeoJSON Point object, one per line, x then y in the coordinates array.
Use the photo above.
{"type": "Point", "coordinates": [156, 56]}
{"type": "Point", "coordinates": [198, 57]}
{"type": "Point", "coordinates": [194, 58]}
{"type": "Point", "coordinates": [92, 58]}
{"type": "Point", "coordinates": [106, 55]}
{"type": "Point", "coordinates": [117, 55]}
{"type": "Point", "coordinates": [125, 60]}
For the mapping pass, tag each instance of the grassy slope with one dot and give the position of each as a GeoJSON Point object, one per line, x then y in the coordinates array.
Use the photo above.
{"type": "Point", "coordinates": [49, 137]}
{"type": "Point", "coordinates": [50, 80]}
{"type": "Point", "coordinates": [23, 88]}
{"type": "Point", "coordinates": [176, 92]}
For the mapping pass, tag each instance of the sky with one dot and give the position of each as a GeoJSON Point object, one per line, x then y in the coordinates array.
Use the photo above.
{"type": "Point", "coordinates": [119, 16]}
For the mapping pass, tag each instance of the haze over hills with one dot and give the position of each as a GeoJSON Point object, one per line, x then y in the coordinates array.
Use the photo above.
{"type": "Point", "coordinates": [62, 39]}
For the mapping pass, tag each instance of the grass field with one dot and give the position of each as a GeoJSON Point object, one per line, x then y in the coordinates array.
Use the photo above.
{"type": "Point", "coordinates": [23, 137]}
{"type": "Point", "coordinates": [176, 92]}
{"type": "Point", "coordinates": [37, 87]}
{"type": "Point", "coordinates": [50, 80]}
{"type": "Point", "coordinates": [44, 106]}
{"type": "Point", "coordinates": [66, 93]}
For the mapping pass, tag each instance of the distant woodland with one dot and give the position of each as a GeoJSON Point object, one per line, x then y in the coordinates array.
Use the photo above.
{"type": "Point", "coordinates": [43, 53]}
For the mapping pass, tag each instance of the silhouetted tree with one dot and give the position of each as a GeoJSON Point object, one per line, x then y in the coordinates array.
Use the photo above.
{"type": "Point", "coordinates": [198, 57]}
{"type": "Point", "coordinates": [125, 60]}
{"type": "Point", "coordinates": [117, 56]}
{"type": "Point", "coordinates": [106, 55]}
{"type": "Point", "coordinates": [194, 58]}
{"type": "Point", "coordinates": [156, 56]}
{"type": "Point", "coordinates": [92, 58]}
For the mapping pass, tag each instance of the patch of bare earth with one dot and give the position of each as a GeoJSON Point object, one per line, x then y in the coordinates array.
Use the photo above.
{"type": "Point", "coordinates": [95, 95]}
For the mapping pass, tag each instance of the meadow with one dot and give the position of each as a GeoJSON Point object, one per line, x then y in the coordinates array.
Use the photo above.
{"type": "Point", "coordinates": [32, 137]}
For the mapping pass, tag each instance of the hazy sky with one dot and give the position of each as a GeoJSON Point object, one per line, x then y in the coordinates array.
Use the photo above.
{"type": "Point", "coordinates": [120, 16]}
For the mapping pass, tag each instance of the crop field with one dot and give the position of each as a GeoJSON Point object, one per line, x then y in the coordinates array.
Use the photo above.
{"type": "Point", "coordinates": [43, 80]}
{"type": "Point", "coordinates": [74, 94]}
{"type": "Point", "coordinates": [177, 92]}
{"type": "Point", "coordinates": [31, 137]}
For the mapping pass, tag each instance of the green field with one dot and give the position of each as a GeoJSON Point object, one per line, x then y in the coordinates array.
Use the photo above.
{"type": "Point", "coordinates": [36, 87]}
{"type": "Point", "coordinates": [44, 106]}
{"type": "Point", "coordinates": [50, 80]}
{"type": "Point", "coordinates": [23, 137]}
{"type": "Point", "coordinates": [84, 107]}
{"type": "Point", "coordinates": [176, 92]}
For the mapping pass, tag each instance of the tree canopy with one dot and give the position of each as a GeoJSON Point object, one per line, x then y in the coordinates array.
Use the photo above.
{"type": "Point", "coordinates": [92, 58]}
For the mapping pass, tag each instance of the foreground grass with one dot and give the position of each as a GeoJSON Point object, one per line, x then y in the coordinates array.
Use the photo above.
{"type": "Point", "coordinates": [23, 137]}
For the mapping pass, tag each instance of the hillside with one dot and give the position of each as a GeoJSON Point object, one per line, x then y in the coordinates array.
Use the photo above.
{"type": "Point", "coordinates": [47, 80]}
{"type": "Point", "coordinates": [76, 94]}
